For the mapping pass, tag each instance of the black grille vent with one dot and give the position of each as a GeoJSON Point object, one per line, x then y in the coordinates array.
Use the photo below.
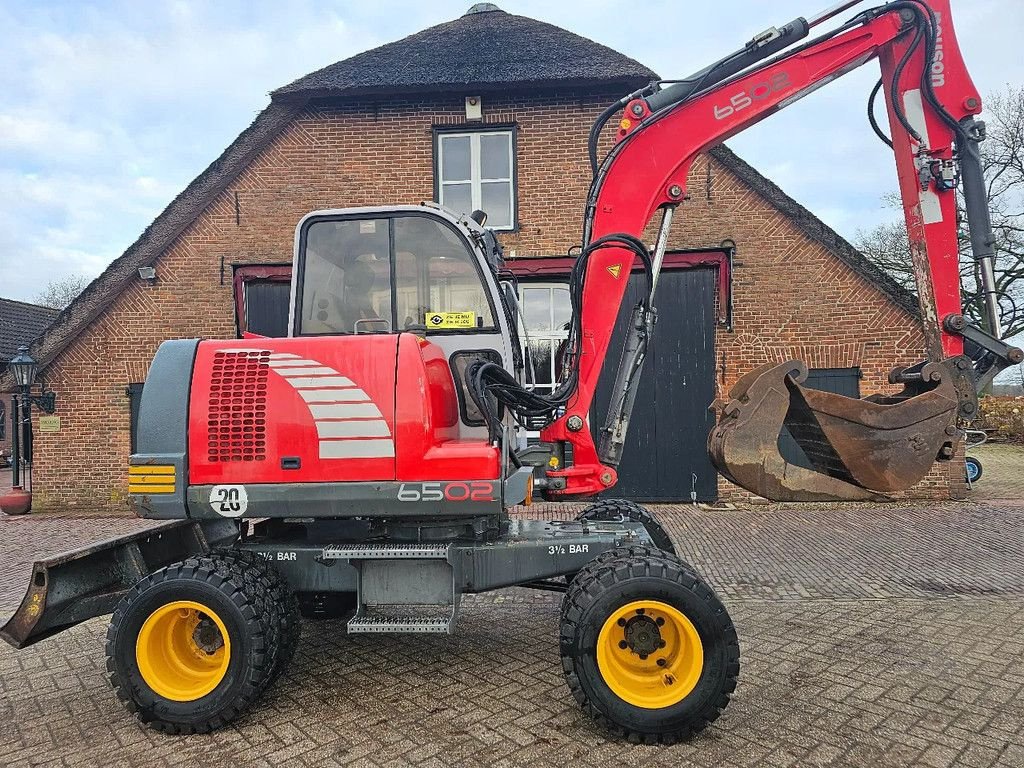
{"type": "Point", "coordinates": [237, 423]}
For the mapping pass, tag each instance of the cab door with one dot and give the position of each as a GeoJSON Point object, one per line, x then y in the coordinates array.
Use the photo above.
{"type": "Point", "coordinates": [441, 290]}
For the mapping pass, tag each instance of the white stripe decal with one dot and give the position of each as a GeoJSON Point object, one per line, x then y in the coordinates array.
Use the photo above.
{"type": "Point", "coordinates": [320, 382]}
{"type": "Point", "coordinates": [356, 449]}
{"type": "Point", "coordinates": [334, 395]}
{"type": "Point", "coordinates": [342, 411]}
{"type": "Point", "coordinates": [286, 372]}
{"type": "Point", "coordinates": [291, 362]}
{"type": "Point", "coordinates": [345, 411]}
{"type": "Point", "coordinates": [353, 428]}
{"type": "Point", "coordinates": [931, 208]}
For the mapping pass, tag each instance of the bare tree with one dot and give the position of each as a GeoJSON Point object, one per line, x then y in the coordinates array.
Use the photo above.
{"type": "Point", "coordinates": [62, 291]}
{"type": "Point", "coordinates": [1002, 155]}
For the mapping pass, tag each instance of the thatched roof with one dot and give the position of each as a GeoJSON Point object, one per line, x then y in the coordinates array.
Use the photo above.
{"type": "Point", "coordinates": [484, 49]}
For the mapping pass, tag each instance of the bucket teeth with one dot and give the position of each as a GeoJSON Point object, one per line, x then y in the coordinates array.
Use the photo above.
{"type": "Point", "coordinates": [860, 449]}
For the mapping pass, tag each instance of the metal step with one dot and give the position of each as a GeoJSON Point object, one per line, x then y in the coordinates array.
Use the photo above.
{"type": "Point", "coordinates": [371, 623]}
{"type": "Point", "coordinates": [386, 552]}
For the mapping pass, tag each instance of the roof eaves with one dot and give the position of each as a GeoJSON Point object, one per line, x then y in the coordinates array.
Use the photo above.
{"type": "Point", "coordinates": [358, 93]}
{"type": "Point", "coordinates": [816, 229]}
{"type": "Point", "coordinates": [159, 235]}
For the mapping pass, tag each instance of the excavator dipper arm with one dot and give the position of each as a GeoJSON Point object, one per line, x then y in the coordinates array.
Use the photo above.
{"type": "Point", "coordinates": [932, 103]}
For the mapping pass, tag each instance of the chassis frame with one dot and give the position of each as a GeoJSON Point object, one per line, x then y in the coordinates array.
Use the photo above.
{"type": "Point", "coordinates": [431, 565]}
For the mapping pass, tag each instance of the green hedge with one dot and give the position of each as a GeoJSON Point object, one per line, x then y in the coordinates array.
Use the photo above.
{"type": "Point", "coordinates": [1003, 418]}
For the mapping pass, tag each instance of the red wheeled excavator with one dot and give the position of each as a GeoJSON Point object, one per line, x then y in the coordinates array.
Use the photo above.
{"type": "Point", "coordinates": [365, 464]}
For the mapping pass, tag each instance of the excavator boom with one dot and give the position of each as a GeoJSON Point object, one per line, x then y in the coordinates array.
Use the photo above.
{"type": "Point", "coordinates": [860, 449]}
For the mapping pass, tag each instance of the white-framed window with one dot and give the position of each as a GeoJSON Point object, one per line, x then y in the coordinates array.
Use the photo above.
{"type": "Point", "coordinates": [475, 170]}
{"type": "Point", "coordinates": [547, 311]}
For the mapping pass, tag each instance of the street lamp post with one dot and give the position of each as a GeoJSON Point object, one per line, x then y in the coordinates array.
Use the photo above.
{"type": "Point", "coordinates": [15, 442]}
{"type": "Point", "coordinates": [24, 369]}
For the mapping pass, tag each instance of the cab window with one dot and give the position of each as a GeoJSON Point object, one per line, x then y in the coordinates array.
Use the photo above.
{"type": "Point", "coordinates": [346, 278]}
{"type": "Point", "coordinates": [389, 274]}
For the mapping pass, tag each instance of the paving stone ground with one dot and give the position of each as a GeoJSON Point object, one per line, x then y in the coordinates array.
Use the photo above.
{"type": "Point", "coordinates": [870, 636]}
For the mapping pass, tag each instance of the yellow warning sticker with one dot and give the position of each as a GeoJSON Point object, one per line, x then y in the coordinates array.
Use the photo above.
{"type": "Point", "coordinates": [450, 320]}
{"type": "Point", "coordinates": [614, 270]}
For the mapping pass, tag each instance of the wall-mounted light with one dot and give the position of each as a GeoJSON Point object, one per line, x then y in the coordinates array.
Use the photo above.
{"type": "Point", "coordinates": [24, 369]}
{"type": "Point", "coordinates": [147, 273]}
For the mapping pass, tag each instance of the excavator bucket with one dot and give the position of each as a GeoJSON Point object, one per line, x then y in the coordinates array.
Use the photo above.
{"type": "Point", "coordinates": [859, 449]}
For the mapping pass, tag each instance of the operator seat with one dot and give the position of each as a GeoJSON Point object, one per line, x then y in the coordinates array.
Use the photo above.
{"type": "Point", "coordinates": [356, 302]}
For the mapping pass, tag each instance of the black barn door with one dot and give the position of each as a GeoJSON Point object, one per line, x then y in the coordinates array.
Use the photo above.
{"type": "Point", "coordinates": [266, 307]}
{"type": "Point", "coordinates": [666, 453]}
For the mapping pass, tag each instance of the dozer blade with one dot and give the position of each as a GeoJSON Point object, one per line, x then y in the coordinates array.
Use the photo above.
{"type": "Point", "coordinates": [860, 449]}
{"type": "Point", "coordinates": [73, 587]}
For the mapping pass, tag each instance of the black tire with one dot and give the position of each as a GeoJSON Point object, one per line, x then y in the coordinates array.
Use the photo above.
{"type": "Point", "coordinates": [222, 587]}
{"type": "Point", "coordinates": [623, 509]}
{"type": "Point", "coordinates": [281, 602]}
{"type": "Point", "coordinates": [973, 468]}
{"type": "Point", "coordinates": [596, 595]}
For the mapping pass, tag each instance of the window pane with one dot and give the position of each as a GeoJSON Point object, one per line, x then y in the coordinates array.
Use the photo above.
{"type": "Point", "coordinates": [540, 356]}
{"type": "Point", "coordinates": [494, 157]}
{"type": "Point", "coordinates": [435, 272]}
{"type": "Point", "coordinates": [455, 164]}
{"type": "Point", "coordinates": [457, 197]}
{"type": "Point", "coordinates": [537, 309]}
{"type": "Point", "coordinates": [562, 308]}
{"type": "Point", "coordinates": [346, 281]}
{"type": "Point", "coordinates": [496, 201]}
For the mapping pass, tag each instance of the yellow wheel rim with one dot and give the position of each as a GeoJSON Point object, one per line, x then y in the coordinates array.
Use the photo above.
{"type": "Point", "coordinates": [650, 654]}
{"type": "Point", "coordinates": [183, 650]}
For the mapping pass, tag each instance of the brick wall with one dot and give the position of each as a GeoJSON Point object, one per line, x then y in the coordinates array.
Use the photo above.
{"type": "Point", "coordinates": [792, 297]}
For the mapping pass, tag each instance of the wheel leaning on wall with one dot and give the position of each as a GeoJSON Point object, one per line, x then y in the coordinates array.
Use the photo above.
{"type": "Point", "coordinates": [973, 469]}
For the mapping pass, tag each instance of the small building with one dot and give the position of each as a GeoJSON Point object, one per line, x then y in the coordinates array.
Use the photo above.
{"type": "Point", "coordinates": [490, 110]}
{"type": "Point", "coordinates": [20, 323]}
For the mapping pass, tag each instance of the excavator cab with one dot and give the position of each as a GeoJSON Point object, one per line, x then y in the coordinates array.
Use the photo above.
{"type": "Point", "coordinates": [406, 269]}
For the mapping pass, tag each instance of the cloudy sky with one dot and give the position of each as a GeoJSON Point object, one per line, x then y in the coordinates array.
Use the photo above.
{"type": "Point", "coordinates": [109, 109]}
